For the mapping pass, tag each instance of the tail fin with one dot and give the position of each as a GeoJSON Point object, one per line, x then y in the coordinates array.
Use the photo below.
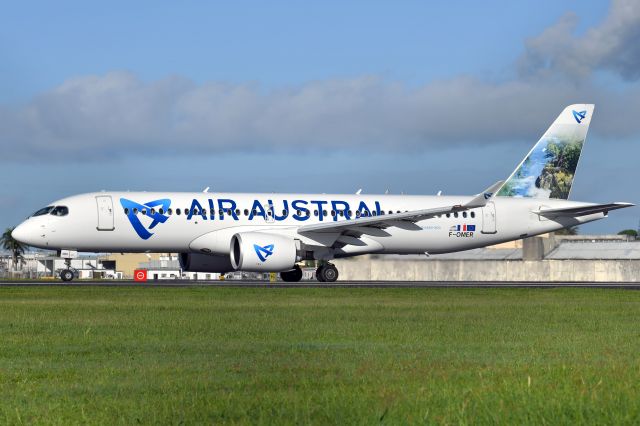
{"type": "Point", "coordinates": [548, 170]}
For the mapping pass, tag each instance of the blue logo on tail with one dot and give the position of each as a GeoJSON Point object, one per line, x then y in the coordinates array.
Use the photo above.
{"type": "Point", "coordinates": [152, 209]}
{"type": "Point", "coordinates": [263, 252]}
{"type": "Point", "coordinates": [579, 116]}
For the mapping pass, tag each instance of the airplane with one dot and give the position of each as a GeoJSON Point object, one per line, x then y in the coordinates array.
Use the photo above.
{"type": "Point", "coordinates": [223, 232]}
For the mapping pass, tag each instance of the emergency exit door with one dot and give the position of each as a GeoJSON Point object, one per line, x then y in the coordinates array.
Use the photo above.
{"type": "Point", "coordinates": [105, 213]}
{"type": "Point", "coordinates": [489, 218]}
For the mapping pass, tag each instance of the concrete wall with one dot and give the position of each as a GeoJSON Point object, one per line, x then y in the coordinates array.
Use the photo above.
{"type": "Point", "coordinates": [367, 268]}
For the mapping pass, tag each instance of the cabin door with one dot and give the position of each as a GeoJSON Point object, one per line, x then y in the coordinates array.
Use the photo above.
{"type": "Point", "coordinates": [489, 218]}
{"type": "Point", "coordinates": [105, 213]}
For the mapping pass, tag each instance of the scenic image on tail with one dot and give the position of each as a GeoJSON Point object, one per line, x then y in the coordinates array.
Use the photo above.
{"type": "Point", "coordinates": [549, 168]}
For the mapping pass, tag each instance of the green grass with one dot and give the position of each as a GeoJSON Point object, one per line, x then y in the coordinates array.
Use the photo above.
{"type": "Point", "coordinates": [212, 355]}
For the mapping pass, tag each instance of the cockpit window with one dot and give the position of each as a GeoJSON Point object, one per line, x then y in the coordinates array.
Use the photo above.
{"type": "Point", "coordinates": [60, 211]}
{"type": "Point", "coordinates": [43, 211]}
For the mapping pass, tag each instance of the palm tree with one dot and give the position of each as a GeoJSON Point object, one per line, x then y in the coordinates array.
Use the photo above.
{"type": "Point", "coordinates": [14, 246]}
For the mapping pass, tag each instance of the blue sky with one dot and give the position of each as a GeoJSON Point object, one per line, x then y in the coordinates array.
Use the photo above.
{"type": "Point", "coordinates": [325, 97]}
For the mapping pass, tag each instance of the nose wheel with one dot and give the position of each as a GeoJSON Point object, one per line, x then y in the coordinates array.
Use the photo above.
{"type": "Point", "coordinates": [66, 275]}
{"type": "Point", "coordinates": [327, 273]}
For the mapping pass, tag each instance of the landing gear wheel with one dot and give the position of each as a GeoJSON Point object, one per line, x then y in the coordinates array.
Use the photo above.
{"type": "Point", "coordinates": [320, 273]}
{"type": "Point", "coordinates": [327, 273]}
{"type": "Point", "coordinates": [293, 275]}
{"type": "Point", "coordinates": [66, 275]}
{"type": "Point", "coordinates": [330, 273]}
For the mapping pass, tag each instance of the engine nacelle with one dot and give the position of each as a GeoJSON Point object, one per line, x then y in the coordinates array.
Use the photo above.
{"type": "Point", "coordinates": [262, 252]}
{"type": "Point", "coordinates": [196, 262]}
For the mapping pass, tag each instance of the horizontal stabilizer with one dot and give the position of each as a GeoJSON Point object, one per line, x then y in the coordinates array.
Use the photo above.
{"type": "Point", "coordinates": [583, 210]}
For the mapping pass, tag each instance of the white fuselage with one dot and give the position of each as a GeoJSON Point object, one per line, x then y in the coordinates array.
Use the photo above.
{"type": "Point", "coordinates": [100, 222]}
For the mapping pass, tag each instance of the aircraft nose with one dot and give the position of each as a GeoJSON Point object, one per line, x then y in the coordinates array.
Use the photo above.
{"type": "Point", "coordinates": [26, 233]}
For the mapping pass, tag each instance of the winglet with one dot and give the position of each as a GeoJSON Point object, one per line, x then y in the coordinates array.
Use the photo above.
{"type": "Point", "coordinates": [480, 200]}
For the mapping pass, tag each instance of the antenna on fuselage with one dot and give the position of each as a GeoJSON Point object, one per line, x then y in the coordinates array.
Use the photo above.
{"type": "Point", "coordinates": [359, 191]}
{"type": "Point", "coordinates": [206, 189]}
{"type": "Point", "coordinates": [439, 193]}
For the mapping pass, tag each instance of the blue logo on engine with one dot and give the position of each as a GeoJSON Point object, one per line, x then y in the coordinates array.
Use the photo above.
{"type": "Point", "coordinates": [263, 252]}
{"type": "Point", "coordinates": [579, 116]}
{"type": "Point", "coordinates": [154, 210]}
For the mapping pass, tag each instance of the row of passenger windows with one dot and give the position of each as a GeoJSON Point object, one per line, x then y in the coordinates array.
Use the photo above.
{"type": "Point", "coordinates": [229, 212]}
{"type": "Point", "coordinates": [55, 211]}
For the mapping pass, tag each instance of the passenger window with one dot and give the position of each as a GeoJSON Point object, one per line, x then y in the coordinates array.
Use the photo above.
{"type": "Point", "coordinates": [315, 212]}
{"type": "Point", "coordinates": [473, 214]}
{"type": "Point", "coordinates": [455, 214]}
{"type": "Point", "coordinates": [284, 212]}
{"type": "Point", "coordinates": [464, 214]}
{"type": "Point", "coordinates": [161, 211]}
{"type": "Point", "coordinates": [448, 215]}
{"type": "Point", "coordinates": [246, 212]}
{"type": "Point", "coordinates": [169, 212]}
{"type": "Point", "coordinates": [178, 212]}
{"type": "Point", "coordinates": [126, 211]}
{"type": "Point", "coordinates": [144, 212]}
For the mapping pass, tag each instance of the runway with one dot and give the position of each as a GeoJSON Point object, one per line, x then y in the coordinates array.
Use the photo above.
{"type": "Point", "coordinates": [314, 284]}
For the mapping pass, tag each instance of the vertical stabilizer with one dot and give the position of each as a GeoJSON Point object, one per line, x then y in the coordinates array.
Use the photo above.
{"type": "Point", "coordinates": [549, 168]}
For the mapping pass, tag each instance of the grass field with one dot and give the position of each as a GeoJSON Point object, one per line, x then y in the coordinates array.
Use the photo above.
{"type": "Point", "coordinates": [210, 355]}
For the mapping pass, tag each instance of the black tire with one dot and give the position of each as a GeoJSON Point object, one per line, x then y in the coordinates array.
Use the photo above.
{"type": "Point", "coordinates": [320, 273]}
{"type": "Point", "coordinates": [66, 275]}
{"type": "Point", "coordinates": [293, 275]}
{"type": "Point", "coordinates": [329, 273]}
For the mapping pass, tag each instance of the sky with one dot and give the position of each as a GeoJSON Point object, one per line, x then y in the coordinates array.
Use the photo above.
{"type": "Point", "coordinates": [414, 96]}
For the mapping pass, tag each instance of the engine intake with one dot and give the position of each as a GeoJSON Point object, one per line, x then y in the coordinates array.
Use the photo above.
{"type": "Point", "coordinates": [263, 252]}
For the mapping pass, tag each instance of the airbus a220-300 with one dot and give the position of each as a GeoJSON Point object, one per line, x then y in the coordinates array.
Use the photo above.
{"type": "Point", "coordinates": [222, 232]}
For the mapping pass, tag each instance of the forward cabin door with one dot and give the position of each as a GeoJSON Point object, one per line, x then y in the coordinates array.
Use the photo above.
{"type": "Point", "coordinates": [105, 213]}
{"type": "Point", "coordinates": [489, 218]}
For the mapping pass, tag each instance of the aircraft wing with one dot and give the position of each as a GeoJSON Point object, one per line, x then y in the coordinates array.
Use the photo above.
{"type": "Point", "coordinates": [385, 221]}
{"type": "Point", "coordinates": [583, 210]}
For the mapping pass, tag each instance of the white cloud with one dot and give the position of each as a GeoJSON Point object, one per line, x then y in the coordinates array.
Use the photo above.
{"type": "Point", "coordinates": [118, 114]}
{"type": "Point", "coordinates": [614, 45]}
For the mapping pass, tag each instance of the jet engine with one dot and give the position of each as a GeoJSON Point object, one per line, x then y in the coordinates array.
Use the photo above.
{"type": "Point", "coordinates": [263, 252]}
{"type": "Point", "coordinates": [196, 262]}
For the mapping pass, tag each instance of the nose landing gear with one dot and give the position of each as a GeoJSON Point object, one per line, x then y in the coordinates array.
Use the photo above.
{"type": "Point", "coordinates": [327, 273]}
{"type": "Point", "coordinates": [67, 274]}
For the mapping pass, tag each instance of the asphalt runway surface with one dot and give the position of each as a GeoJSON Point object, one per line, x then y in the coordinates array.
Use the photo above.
{"type": "Point", "coordinates": [315, 284]}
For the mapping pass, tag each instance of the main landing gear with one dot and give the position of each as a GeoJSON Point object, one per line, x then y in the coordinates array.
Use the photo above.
{"type": "Point", "coordinates": [327, 273]}
{"type": "Point", "coordinates": [293, 275]}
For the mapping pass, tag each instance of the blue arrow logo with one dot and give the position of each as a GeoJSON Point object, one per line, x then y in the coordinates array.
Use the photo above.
{"type": "Point", "coordinates": [132, 208]}
{"type": "Point", "coordinates": [579, 116]}
{"type": "Point", "coordinates": [263, 252]}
